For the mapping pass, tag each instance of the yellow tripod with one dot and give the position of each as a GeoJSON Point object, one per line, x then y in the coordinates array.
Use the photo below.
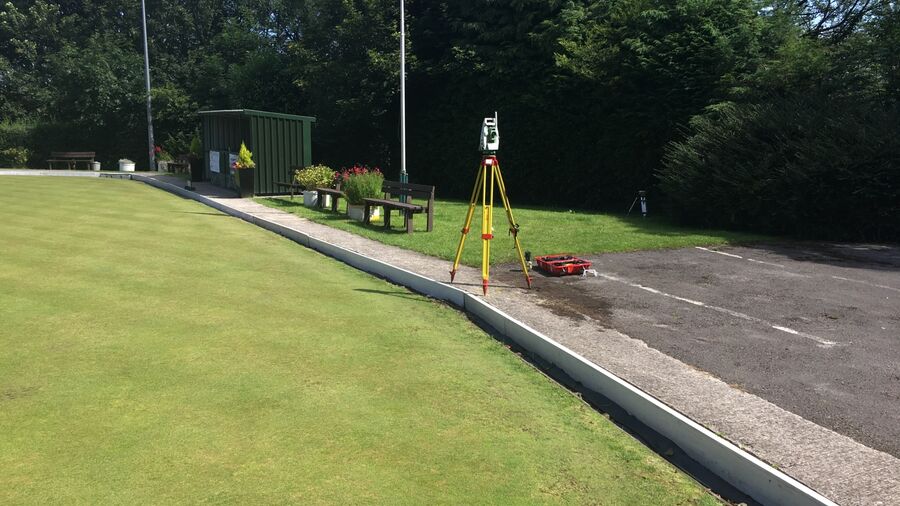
{"type": "Point", "coordinates": [488, 175]}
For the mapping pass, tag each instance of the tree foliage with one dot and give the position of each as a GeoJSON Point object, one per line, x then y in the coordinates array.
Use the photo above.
{"type": "Point", "coordinates": [595, 97]}
{"type": "Point", "coordinates": [776, 168]}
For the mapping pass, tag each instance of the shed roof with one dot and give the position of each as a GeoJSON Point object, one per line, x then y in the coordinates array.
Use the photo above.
{"type": "Point", "coordinates": [253, 112]}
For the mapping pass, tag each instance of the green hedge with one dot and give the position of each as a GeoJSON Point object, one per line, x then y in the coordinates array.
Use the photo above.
{"type": "Point", "coordinates": [35, 140]}
{"type": "Point", "coordinates": [809, 166]}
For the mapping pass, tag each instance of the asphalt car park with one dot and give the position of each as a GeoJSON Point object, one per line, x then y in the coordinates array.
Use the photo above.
{"type": "Point", "coordinates": [813, 328]}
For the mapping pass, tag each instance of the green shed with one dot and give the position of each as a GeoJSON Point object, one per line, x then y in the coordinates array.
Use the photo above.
{"type": "Point", "coordinates": [280, 143]}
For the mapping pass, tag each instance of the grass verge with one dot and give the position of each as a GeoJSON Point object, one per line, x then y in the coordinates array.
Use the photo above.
{"type": "Point", "coordinates": [156, 351]}
{"type": "Point", "coordinates": [542, 231]}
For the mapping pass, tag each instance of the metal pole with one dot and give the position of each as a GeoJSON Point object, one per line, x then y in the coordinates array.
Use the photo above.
{"type": "Point", "coordinates": [147, 82]}
{"type": "Point", "coordinates": [404, 177]}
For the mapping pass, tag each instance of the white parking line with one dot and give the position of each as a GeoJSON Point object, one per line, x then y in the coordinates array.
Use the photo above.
{"type": "Point", "coordinates": [719, 252]}
{"type": "Point", "coordinates": [766, 263]}
{"type": "Point", "coordinates": [867, 283]}
{"type": "Point", "coordinates": [737, 256]}
{"type": "Point", "coordinates": [822, 343]}
{"type": "Point", "coordinates": [874, 285]}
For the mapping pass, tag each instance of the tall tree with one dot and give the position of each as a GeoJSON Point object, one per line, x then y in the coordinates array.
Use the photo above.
{"type": "Point", "coordinates": [345, 66]}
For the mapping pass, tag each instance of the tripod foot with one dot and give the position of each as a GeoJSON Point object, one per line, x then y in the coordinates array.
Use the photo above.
{"type": "Point", "coordinates": [484, 285]}
{"type": "Point", "coordinates": [452, 275]}
{"type": "Point", "coordinates": [528, 279]}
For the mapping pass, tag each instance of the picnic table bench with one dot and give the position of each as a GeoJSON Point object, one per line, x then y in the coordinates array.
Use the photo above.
{"type": "Point", "coordinates": [408, 209]}
{"type": "Point", "coordinates": [293, 186]}
{"type": "Point", "coordinates": [335, 193]}
{"type": "Point", "coordinates": [71, 158]}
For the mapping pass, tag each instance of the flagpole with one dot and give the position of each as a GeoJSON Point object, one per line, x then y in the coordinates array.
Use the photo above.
{"type": "Point", "coordinates": [404, 177]}
{"type": "Point", "coordinates": [147, 82]}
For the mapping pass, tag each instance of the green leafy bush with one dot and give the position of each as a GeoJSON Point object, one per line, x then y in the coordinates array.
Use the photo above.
{"type": "Point", "coordinates": [360, 182]}
{"type": "Point", "coordinates": [14, 134]}
{"type": "Point", "coordinates": [162, 155]}
{"type": "Point", "coordinates": [316, 176]}
{"type": "Point", "coordinates": [15, 157]}
{"type": "Point", "coordinates": [196, 147]}
{"type": "Point", "coordinates": [811, 165]}
{"type": "Point", "coordinates": [245, 159]}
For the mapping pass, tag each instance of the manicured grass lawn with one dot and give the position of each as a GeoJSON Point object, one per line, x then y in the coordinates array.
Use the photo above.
{"type": "Point", "coordinates": [542, 231]}
{"type": "Point", "coordinates": [153, 350]}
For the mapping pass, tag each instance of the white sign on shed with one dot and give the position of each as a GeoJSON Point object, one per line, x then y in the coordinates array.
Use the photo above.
{"type": "Point", "coordinates": [214, 161]}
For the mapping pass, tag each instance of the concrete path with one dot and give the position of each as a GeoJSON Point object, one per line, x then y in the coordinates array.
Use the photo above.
{"type": "Point", "coordinates": [834, 465]}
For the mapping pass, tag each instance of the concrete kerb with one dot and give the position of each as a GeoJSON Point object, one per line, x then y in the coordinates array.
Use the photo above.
{"type": "Point", "coordinates": [65, 173]}
{"type": "Point", "coordinates": [736, 466]}
{"type": "Point", "coordinates": [409, 279]}
{"type": "Point", "coordinates": [33, 172]}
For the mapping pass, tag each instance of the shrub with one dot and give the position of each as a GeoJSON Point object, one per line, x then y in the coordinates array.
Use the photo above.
{"type": "Point", "coordinates": [810, 166]}
{"type": "Point", "coordinates": [162, 155]}
{"type": "Point", "coordinates": [14, 134]}
{"type": "Point", "coordinates": [359, 182]}
{"type": "Point", "coordinates": [15, 137]}
{"type": "Point", "coordinates": [245, 159]}
{"type": "Point", "coordinates": [15, 157]}
{"type": "Point", "coordinates": [316, 176]}
{"type": "Point", "coordinates": [196, 147]}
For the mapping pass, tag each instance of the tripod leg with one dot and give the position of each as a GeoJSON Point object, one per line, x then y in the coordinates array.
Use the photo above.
{"type": "Point", "coordinates": [486, 224]}
{"type": "Point", "coordinates": [632, 206]}
{"type": "Point", "coordinates": [513, 227]}
{"type": "Point", "coordinates": [465, 230]}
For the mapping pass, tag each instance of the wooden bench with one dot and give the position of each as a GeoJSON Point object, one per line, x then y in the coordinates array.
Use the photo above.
{"type": "Point", "coordinates": [408, 209]}
{"type": "Point", "coordinates": [71, 158]}
{"type": "Point", "coordinates": [335, 193]}
{"type": "Point", "coordinates": [181, 165]}
{"type": "Point", "coordinates": [293, 187]}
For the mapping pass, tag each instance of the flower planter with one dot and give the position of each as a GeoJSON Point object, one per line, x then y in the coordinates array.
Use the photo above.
{"type": "Point", "coordinates": [355, 212]}
{"type": "Point", "coordinates": [197, 168]}
{"type": "Point", "coordinates": [245, 182]}
{"type": "Point", "coordinates": [162, 165]}
{"type": "Point", "coordinates": [358, 212]}
{"type": "Point", "coordinates": [310, 199]}
{"type": "Point", "coordinates": [126, 166]}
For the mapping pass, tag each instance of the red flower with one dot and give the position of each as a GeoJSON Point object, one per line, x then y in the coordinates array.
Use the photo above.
{"type": "Point", "coordinates": [356, 170]}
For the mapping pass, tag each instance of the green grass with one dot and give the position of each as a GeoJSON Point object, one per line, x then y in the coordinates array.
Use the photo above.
{"type": "Point", "coordinates": [542, 231]}
{"type": "Point", "coordinates": [153, 350]}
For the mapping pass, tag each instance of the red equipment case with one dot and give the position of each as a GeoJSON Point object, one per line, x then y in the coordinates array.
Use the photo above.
{"type": "Point", "coordinates": [562, 265]}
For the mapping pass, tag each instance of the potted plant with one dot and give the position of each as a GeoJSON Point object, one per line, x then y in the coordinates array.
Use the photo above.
{"type": "Point", "coordinates": [162, 159]}
{"type": "Point", "coordinates": [195, 158]}
{"type": "Point", "coordinates": [243, 169]}
{"type": "Point", "coordinates": [310, 178]}
{"type": "Point", "coordinates": [360, 183]}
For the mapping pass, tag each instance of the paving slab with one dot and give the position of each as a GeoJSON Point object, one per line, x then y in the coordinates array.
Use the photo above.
{"type": "Point", "coordinates": [831, 463]}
